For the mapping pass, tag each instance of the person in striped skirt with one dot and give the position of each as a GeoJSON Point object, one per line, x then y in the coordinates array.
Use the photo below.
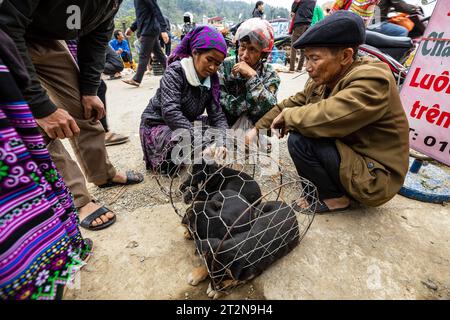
{"type": "Point", "coordinates": [41, 247]}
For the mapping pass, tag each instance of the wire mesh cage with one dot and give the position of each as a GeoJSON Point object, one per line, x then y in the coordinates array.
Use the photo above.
{"type": "Point", "coordinates": [238, 239]}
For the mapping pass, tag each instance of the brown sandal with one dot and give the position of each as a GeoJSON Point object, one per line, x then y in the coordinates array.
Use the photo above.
{"type": "Point", "coordinates": [132, 82]}
{"type": "Point", "coordinates": [115, 138]}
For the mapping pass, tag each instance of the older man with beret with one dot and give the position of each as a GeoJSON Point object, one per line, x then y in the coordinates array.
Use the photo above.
{"type": "Point", "coordinates": [348, 132]}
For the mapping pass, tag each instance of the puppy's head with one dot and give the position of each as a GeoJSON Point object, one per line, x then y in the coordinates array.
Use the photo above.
{"type": "Point", "coordinates": [197, 215]}
{"type": "Point", "coordinates": [211, 168]}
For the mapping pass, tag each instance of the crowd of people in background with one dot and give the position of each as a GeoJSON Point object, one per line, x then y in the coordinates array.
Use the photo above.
{"type": "Point", "coordinates": [348, 133]}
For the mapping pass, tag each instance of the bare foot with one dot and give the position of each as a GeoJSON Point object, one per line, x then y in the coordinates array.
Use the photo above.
{"type": "Point", "coordinates": [302, 203]}
{"type": "Point", "coordinates": [213, 294]}
{"type": "Point", "coordinates": [90, 208]}
{"type": "Point", "coordinates": [120, 177]}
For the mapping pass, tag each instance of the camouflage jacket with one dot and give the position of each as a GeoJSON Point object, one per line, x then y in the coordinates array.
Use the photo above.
{"type": "Point", "coordinates": [253, 97]}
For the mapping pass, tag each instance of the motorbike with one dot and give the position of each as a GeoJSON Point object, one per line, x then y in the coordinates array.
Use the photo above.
{"type": "Point", "coordinates": [400, 48]}
{"type": "Point", "coordinates": [396, 47]}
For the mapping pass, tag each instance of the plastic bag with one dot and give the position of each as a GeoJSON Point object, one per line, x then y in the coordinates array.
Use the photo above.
{"type": "Point", "coordinates": [402, 20]}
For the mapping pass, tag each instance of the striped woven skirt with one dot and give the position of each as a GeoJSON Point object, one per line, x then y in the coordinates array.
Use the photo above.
{"type": "Point", "coordinates": [41, 247]}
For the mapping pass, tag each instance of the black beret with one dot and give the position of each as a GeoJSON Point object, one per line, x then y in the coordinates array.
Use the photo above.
{"type": "Point", "coordinates": [340, 29]}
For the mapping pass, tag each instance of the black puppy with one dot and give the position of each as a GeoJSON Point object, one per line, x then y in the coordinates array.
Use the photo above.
{"type": "Point", "coordinates": [223, 179]}
{"type": "Point", "coordinates": [225, 213]}
{"type": "Point", "coordinates": [243, 256]}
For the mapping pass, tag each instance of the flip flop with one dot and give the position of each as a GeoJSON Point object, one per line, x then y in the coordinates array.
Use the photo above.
{"type": "Point", "coordinates": [133, 177]}
{"type": "Point", "coordinates": [132, 82]}
{"type": "Point", "coordinates": [322, 208]}
{"type": "Point", "coordinates": [86, 223]}
{"type": "Point", "coordinates": [116, 138]}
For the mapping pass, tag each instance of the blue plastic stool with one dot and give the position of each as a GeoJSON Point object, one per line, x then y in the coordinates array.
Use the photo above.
{"type": "Point", "coordinates": [426, 182]}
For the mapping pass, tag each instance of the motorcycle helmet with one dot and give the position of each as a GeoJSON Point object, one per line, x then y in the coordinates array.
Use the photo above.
{"type": "Point", "coordinates": [188, 17]}
{"type": "Point", "coordinates": [257, 31]}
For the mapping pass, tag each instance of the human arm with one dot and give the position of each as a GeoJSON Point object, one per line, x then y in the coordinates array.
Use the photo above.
{"type": "Point", "coordinates": [295, 6]}
{"type": "Point", "coordinates": [171, 88]}
{"type": "Point", "coordinates": [91, 62]}
{"type": "Point", "coordinates": [337, 5]}
{"type": "Point", "coordinates": [233, 105]}
{"type": "Point", "coordinates": [126, 47]}
{"type": "Point", "coordinates": [355, 106]}
{"type": "Point", "coordinates": [154, 7]}
{"type": "Point", "coordinates": [262, 92]}
{"type": "Point", "coordinates": [57, 123]}
{"type": "Point", "coordinates": [296, 100]}
{"type": "Point", "coordinates": [131, 29]}
{"type": "Point", "coordinates": [14, 21]}
{"type": "Point", "coordinates": [216, 116]}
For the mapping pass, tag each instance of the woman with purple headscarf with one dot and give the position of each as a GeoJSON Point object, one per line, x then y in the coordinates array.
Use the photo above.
{"type": "Point", "coordinates": [189, 86]}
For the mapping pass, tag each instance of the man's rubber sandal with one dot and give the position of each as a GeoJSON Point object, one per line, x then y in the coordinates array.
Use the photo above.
{"type": "Point", "coordinates": [116, 138]}
{"type": "Point", "coordinates": [132, 82]}
{"type": "Point", "coordinates": [320, 208]}
{"type": "Point", "coordinates": [133, 177]}
{"type": "Point", "coordinates": [86, 223]}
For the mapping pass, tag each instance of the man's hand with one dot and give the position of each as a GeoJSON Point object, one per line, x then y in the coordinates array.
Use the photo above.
{"type": "Point", "coordinates": [165, 37]}
{"type": "Point", "coordinates": [215, 153]}
{"type": "Point", "coordinates": [59, 125]}
{"type": "Point", "coordinates": [244, 69]}
{"type": "Point", "coordinates": [93, 107]}
{"type": "Point", "coordinates": [119, 52]}
{"type": "Point", "coordinates": [278, 126]}
{"type": "Point", "coordinates": [129, 32]}
{"type": "Point", "coordinates": [292, 14]}
{"type": "Point", "coordinates": [251, 136]}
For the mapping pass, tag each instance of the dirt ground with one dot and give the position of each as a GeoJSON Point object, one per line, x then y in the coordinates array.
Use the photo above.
{"type": "Point", "coordinates": [400, 250]}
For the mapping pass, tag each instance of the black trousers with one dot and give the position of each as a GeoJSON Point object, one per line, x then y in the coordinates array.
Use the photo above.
{"type": "Point", "coordinates": [318, 161]}
{"type": "Point", "coordinates": [112, 69]}
{"type": "Point", "coordinates": [101, 93]}
{"type": "Point", "coordinates": [126, 57]}
{"type": "Point", "coordinates": [149, 44]}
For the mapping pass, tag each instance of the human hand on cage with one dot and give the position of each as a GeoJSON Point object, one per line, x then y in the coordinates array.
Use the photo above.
{"type": "Point", "coordinates": [244, 69]}
{"type": "Point", "coordinates": [251, 136]}
{"type": "Point", "coordinates": [213, 152]}
{"type": "Point", "coordinates": [278, 126]}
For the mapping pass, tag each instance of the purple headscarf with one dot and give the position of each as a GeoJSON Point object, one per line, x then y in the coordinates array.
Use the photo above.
{"type": "Point", "coordinates": [202, 37]}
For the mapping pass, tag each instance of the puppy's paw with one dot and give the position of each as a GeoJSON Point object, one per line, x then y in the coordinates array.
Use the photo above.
{"type": "Point", "coordinates": [184, 186]}
{"type": "Point", "coordinates": [211, 293]}
{"type": "Point", "coordinates": [187, 234]}
{"type": "Point", "coordinates": [197, 275]}
{"type": "Point", "coordinates": [189, 194]}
